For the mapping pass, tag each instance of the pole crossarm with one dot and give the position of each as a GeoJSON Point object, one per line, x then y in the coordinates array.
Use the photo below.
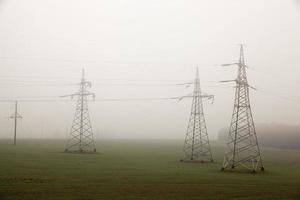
{"type": "Point", "coordinates": [18, 116]}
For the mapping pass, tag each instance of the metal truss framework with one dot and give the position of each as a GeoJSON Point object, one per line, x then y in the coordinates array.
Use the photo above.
{"type": "Point", "coordinates": [243, 149]}
{"type": "Point", "coordinates": [81, 134]}
{"type": "Point", "coordinates": [196, 146]}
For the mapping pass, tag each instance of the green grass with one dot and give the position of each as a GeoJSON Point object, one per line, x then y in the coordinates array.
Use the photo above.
{"type": "Point", "coordinates": [125, 169]}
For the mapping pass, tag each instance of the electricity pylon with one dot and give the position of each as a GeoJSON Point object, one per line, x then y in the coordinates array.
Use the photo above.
{"type": "Point", "coordinates": [196, 146]}
{"type": "Point", "coordinates": [243, 149]}
{"type": "Point", "coordinates": [15, 116]}
{"type": "Point", "coordinates": [81, 133]}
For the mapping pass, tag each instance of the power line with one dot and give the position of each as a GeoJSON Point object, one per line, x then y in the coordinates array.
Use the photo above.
{"type": "Point", "coordinates": [96, 100]}
{"type": "Point", "coordinates": [111, 62]}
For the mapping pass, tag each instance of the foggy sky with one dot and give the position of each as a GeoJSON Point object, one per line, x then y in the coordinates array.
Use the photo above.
{"type": "Point", "coordinates": [139, 42]}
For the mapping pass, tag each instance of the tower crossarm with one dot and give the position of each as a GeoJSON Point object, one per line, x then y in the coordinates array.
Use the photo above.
{"type": "Point", "coordinates": [199, 96]}
{"type": "Point", "coordinates": [80, 94]}
{"type": "Point", "coordinates": [238, 64]}
{"type": "Point", "coordinates": [239, 82]}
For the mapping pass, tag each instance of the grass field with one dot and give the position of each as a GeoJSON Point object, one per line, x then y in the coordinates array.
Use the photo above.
{"type": "Point", "coordinates": [127, 169]}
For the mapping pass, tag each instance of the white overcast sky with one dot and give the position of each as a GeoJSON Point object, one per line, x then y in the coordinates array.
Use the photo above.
{"type": "Point", "coordinates": [141, 43]}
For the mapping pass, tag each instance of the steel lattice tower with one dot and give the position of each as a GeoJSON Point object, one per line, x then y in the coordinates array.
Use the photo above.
{"type": "Point", "coordinates": [81, 134]}
{"type": "Point", "coordinates": [196, 146]}
{"type": "Point", "coordinates": [243, 149]}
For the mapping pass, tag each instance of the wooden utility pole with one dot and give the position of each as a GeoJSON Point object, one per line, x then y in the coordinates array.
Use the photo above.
{"type": "Point", "coordinates": [16, 116]}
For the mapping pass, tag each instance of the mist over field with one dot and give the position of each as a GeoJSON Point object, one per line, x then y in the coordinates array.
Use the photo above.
{"type": "Point", "coordinates": [149, 99]}
{"type": "Point", "coordinates": [272, 135]}
{"type": "Point", "coordinates": [142, 49]}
